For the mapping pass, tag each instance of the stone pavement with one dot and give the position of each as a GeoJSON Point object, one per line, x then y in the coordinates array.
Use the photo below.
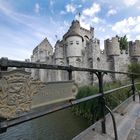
{"type": "Point", "coordinates": [127, 118]}
{"type": "Point", "coordinates": [134, 133]}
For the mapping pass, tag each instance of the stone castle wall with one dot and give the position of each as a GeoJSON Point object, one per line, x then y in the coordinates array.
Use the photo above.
{"type": "Point", "coordinates": [80, 49]}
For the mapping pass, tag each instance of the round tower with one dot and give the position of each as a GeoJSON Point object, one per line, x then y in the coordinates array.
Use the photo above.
{"type": "Point", "coordinates": [74, 45]}
{"type": "Point", "coordinates": [112, 46]}
{"type": "Point", "coordinates": [134, 48]}
{"type": "Point", "coordinates": [73, 40]}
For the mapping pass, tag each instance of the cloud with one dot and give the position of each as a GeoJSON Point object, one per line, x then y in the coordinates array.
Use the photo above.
{"type": "Point", "coordinates": [52, 2]}
{"type": "Point", "coordinates": [111, 12]}
{"type": "Point", "coordinates": [83, 1]}
{"type": "Point", "coordinates": [130, 2]}
{"type": "Point", "coordinates": [70, 8]}
{"type": "Point", "coordinates": [62, 12]}
{"type": "Point", "coordinates": [128, 25]}
{"type": "Point", "coordinates": [91, 11]}
{"type": "Point", "coordinates": [102, 29]}
{"type": "Point", "coordinates": [23, 33]}
{"type": "Point", "coordinates": [89, 16]}
{"type": "Point", "coordinates": [79, 6]}
{"type": "Point", "coordinates": [37, 8]}
{"type": "Point", "coordinates": [138, 37]}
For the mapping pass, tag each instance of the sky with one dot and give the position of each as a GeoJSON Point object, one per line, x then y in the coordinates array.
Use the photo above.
{"type": "Point", "coordinates": [25, 23]}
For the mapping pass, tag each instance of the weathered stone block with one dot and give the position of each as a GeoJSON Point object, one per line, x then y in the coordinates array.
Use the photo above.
{"type": "Point", "coordinates": [19, 93]}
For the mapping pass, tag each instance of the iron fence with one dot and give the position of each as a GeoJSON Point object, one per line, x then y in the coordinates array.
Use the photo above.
{"type": "Point", "coordinates": [5, 63]}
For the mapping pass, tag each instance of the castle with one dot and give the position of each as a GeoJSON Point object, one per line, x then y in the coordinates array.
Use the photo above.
{"type": "Point", "coordinates": [80, 48]}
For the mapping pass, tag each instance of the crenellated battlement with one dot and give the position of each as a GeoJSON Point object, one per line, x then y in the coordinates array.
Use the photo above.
{"type": "Point", "coordinates": [112, 46]}
{"type": "Point", "coordinates": [134, 48]}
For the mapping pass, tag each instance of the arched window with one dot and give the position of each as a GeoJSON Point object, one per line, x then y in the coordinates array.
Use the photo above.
{"type": "Point", "coordinates": [90, 62]}
{"type": "Point", "coordinates": [134, 60]}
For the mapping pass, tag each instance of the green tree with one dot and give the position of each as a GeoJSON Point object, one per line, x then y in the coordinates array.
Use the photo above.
{"type": "Point", "coordinates": [123, 43]}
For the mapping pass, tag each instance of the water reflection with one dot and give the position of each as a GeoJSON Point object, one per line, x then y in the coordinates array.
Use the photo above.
{"type": "Point", "coordinates": [62, 125]}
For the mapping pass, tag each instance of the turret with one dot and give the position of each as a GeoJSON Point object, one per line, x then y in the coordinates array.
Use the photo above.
{"type": "Point", "coordinates": [74, 45]}
{"type": "Point", "coordinates": [92, 32]}
{"type": "Point", "coordinates": [112, 46]}
{"type": "Point", "coordinates": [75, 26]}
{"type": "Point", "coordinates": [134, 48]}
{"type": "Point", "coordinates": [73, 40]}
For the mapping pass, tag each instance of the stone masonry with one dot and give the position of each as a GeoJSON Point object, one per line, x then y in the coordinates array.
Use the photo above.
{"type": "Point", "coordinates": [80, 48]}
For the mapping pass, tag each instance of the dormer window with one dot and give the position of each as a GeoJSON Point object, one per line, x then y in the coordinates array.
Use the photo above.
{"type": "Point", "coordinates": [71, 42]}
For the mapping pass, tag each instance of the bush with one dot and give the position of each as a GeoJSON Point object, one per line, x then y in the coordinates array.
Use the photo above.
{"type": "Point", "coordinates": [92, 108]}
{"type": "Point", "coordinates": [134, 68]}
{"type": "Point", "coordinates": [84, 109]}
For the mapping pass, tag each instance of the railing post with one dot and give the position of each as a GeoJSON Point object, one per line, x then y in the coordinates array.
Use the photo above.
{"type": "Point", "coordinates": [4, 62]}
{"type": "Point", "coordinates": [2, 130]}
{"type": "Point", "coordinates": [133, 87]}
{"type": "Point", "coordinates": [70, 73]}
{"type": "Point", "coordinates": [102, 100]}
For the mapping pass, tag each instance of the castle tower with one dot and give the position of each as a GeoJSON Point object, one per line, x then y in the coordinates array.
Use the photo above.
{"type": "Point", "coordinates": [134, 48]}
{"type": "Point", "coordinates": [112, 46]}
{"type": "Point", "coordinates": [73, 48]}
{"type": "Point", "coordinates": [59, 59]}
{"type": "Point", "coordinates": [92, 32]}
{"type": "Point", "coordinates": [73, 40]}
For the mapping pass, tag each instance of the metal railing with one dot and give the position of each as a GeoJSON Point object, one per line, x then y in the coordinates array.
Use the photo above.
{"type": "Point", "coordinates": [5, 63]}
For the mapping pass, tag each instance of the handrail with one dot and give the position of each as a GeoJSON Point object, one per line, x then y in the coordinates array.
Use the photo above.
{"type": "Point", "coordinates": [114, 123]}
{"type": "Point", "coordinates": [5, 62]}
{"type": "Point", "coordinates": [34, 115]}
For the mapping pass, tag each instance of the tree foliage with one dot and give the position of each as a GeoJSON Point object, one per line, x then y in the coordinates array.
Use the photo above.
{"type": "Point", "coordinates": [123, 43]}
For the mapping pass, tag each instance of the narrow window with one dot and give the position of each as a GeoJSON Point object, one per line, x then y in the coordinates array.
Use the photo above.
{"type": "Point", "coordinates": [71, 42]}
{"type": "Point", "coordinates": [77, 42]}
{"type": "Point", "coordinates": [98, 59]}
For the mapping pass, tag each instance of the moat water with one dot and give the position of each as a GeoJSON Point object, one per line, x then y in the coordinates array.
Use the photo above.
{"type": "Point", "coordinates": [62, 125]}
